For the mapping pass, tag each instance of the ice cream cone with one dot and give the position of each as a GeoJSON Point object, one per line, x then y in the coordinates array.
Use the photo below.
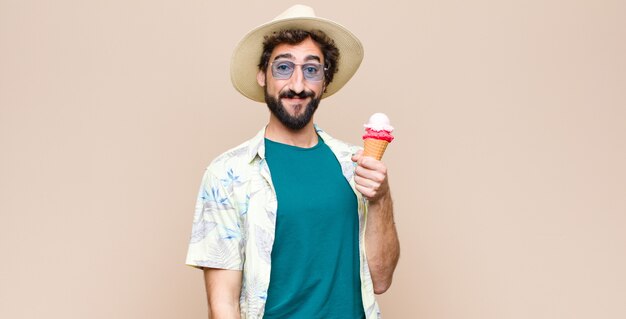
{"type": "Point", "coordinates": [374, 148]}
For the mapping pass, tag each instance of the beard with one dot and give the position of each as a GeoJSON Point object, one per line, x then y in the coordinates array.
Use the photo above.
{"type": "Point", "coordinates": [296, 122]}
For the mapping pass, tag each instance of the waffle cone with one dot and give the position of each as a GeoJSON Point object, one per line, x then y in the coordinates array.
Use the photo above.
{"type": "Point", "coordinates": [374, 148]}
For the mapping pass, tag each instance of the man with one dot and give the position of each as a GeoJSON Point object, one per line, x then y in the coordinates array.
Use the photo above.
{"type": "Point", "coordinates": [294, 223]}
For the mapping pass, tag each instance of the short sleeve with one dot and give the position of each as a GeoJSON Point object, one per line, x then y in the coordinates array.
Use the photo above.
{"type": "Point", "coordinates": [216, 237]}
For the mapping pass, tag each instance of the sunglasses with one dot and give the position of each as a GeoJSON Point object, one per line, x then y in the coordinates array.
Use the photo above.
{"type": "Point", "coordinates": [282, 70]}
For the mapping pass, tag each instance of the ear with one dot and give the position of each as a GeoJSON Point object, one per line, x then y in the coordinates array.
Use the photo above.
{"type": "Point", "coordinates": [260, 78]}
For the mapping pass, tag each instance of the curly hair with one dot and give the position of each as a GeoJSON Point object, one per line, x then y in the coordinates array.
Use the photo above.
{"type": "Point", "coordinates": [295, 36]}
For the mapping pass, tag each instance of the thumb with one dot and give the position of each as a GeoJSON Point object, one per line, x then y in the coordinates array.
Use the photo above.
{"type": "Point", "coordinates": [356, 156]}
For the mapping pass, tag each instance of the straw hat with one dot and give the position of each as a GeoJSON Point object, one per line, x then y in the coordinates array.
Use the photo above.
{"type": "Point", "coordinates": [245, 60]}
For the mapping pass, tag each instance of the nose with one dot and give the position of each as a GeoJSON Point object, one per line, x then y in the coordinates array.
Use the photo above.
{"type": "Point", "coordinates": [296, 81]}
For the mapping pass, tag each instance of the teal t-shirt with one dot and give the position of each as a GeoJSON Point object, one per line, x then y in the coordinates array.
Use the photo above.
{"type": "Point", "coordinates": [315, 257]}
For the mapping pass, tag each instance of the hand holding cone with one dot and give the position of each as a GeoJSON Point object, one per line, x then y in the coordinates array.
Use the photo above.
{"type": "Point", "coordinates": [378, 135]}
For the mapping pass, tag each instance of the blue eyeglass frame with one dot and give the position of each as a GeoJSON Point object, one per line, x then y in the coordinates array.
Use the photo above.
{"type": "Point", "coordinates": [280, 76]}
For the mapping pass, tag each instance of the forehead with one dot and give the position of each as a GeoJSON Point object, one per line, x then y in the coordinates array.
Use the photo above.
{"type": "Point", "coordinates": [302, 51]}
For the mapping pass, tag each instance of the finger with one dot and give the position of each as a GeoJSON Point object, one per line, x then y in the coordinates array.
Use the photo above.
{"type": "Point", "coordinates": [370, 174]}
{"type": "Point", "coordinates": [372, 163]}
{"type": "Point", "coordinates": [366, 192]}
{"type": "Point", "coordinates": [357, 156]}
{"type": "Point", "coordinates": [367, 183]}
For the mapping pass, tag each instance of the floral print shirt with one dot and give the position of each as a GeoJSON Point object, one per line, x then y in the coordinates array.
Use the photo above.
{"type": "Point", "coordinates": [235, 217]}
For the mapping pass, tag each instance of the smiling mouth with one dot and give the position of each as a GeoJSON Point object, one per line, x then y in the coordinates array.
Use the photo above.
{"type": "Point", "coordinates": [294, 99]}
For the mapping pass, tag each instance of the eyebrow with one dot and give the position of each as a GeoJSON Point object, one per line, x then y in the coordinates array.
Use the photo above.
{"type": "Point", "coordinates": [290, 56]}
{"type": "Point", "coordinates": [312, 57]}
{"type": "Point", "coordinates": [284, 55]}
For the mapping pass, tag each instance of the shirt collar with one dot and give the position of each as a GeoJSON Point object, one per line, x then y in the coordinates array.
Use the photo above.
{"type": "Point", "coordinates": [257, 143]}
{"type": "Point", "coordinates": [257, 146]}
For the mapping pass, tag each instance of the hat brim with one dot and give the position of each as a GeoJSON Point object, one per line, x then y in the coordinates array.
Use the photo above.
{"type": "Point", "coordinates": [247, 54]}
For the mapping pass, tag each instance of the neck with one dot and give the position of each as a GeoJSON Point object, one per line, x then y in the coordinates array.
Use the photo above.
{"type": "Point", "coordinates": [305, 137]}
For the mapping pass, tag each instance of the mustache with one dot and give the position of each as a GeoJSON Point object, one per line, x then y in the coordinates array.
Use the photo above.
{"type": "Point", "coordinates": [291, 94]}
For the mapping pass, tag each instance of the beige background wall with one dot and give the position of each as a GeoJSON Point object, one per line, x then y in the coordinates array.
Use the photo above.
{"type": "Point", "coordinates": [508, 169]}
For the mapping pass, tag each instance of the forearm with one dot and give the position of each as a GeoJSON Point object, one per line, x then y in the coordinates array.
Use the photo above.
{"type": "Point", "coordinates": [381, 243]}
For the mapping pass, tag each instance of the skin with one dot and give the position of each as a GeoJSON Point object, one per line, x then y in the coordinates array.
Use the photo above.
{"type": "Point", "coordinates": [223, 287]}
{"type": "Point", "coordinates": [381, 240]}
